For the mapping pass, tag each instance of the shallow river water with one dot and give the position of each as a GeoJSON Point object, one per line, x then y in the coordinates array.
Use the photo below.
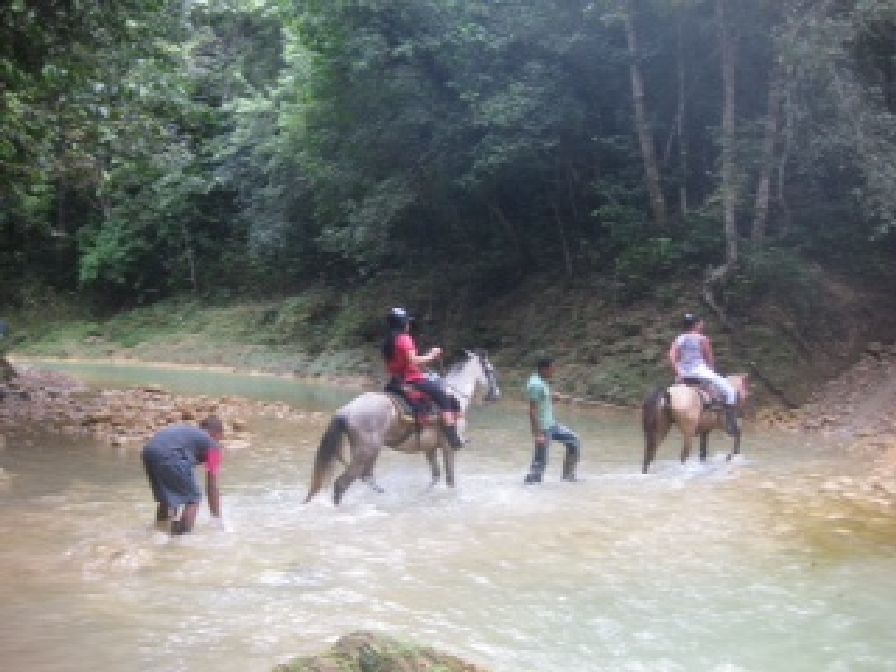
{"type": "Point", "coordinates": [747, 565]}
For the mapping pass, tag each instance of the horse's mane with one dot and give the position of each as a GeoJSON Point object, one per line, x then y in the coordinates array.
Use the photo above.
{"type": "Point", "coordinates": [458, 365]}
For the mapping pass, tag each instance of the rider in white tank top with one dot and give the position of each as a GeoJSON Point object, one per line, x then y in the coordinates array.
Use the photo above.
{"type": "Point", "coordinates": [691, 355]}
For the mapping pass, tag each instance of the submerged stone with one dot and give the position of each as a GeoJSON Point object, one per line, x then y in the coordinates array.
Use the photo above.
{"type": "Point", "coordinates": [369, 652]}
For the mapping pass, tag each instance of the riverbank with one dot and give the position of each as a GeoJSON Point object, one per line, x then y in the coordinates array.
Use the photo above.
{"type": "Point", "coordinates": [127, 418]}
{"type": "Point", "coordinates": [854, 409]}
{"type": "Point", "coordinates": [607, 350]}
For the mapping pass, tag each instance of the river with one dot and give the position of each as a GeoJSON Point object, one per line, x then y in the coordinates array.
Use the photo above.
{"type": "Point", "coordinates": [751, 565]}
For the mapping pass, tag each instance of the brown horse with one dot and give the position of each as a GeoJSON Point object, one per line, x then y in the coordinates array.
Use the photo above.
{"type": "Point", "coordinates": [684, 405]}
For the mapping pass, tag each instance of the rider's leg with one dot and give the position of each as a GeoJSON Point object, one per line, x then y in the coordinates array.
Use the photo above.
{"type": "Point", "coordinates": [539, 462]}
{"type": "Point", "coordinates": [433, 387]}
{"type": "Point", "coordinates": [731, 425]}
{"type": "Point", "coordinates": [187, 520]}
{"type": "Point", "coordinates": [449, 428]}
{"type": "Point", "coordinates": [573, 449]}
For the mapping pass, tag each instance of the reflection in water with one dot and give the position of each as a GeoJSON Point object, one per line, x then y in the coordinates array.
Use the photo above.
{"type": "Point", "coordinates": [724, 566]}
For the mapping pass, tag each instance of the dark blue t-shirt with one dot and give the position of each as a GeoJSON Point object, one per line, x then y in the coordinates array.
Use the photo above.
{"type": "Point", "coordinates": [180, 443]}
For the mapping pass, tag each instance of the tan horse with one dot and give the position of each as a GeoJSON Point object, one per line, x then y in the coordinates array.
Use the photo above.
{"type": "Point", "coordinates": [375, 420]}
{"type": "Point", "coordinates": [683, 405]}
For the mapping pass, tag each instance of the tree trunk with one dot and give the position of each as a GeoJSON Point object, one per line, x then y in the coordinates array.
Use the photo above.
{"type": "Point", "coordinates": [567, 258]}
{"type": "Point", "coordinates": [729, 194]}
{"type": "Point", "coordinates": [763, 188]}
{"type": "Point", "coordinates": [190, 257]}
{"type": "Point", "coordinates": [645, 137]}
{"type": "Point", "coordinates": [784, 207]}
{"type": "Point", "coordinates": [513, 235]}
{"type": "Point", "coordinates": [679, 124]}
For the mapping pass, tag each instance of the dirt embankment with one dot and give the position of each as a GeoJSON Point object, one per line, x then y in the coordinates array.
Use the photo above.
{"type": "Point", "coordinates": [857, 408]}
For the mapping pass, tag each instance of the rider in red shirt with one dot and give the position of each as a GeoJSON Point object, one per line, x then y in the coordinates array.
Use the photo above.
{"type": "Point", "coordinates": [404, 365]}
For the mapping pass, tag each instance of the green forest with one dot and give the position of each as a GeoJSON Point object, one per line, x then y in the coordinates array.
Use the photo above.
{"type": "Point", "coordinates": [152, 149]}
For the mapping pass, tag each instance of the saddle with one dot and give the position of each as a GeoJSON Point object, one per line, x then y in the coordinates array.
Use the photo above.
{"type": "Point", "coordinates": [713, 399]}
{"type": "Point", "coordinates": [416, 408]}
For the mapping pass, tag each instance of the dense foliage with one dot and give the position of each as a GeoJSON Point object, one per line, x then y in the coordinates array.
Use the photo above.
{"type": "Point", "coordinates": [148, 148]}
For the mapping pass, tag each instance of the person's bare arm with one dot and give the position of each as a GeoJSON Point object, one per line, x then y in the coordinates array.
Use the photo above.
{"type": "Point", "coordinates": [214, 494]}
{"type": "Point", "coordinates": [428, 358]}
{"type": "Point", "coordinates": [673, 358]}
{"type": "Point", "coordinates": [535, 423]}
{"type": "Point", "coordinates": [708, 357]}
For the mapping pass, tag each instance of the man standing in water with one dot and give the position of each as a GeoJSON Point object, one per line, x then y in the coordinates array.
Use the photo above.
{"type": "Point", "coordinates": [170, 458]}
{"type": "Point", "coordinates": [545, 428]}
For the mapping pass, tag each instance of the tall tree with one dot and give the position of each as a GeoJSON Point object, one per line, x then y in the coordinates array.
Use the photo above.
{"type": "Point", "coordinates": [645, 132]}
{"type": "Point", "coordinates": [728, 185]}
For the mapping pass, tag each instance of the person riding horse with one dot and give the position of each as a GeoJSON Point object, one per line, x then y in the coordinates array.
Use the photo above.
{"type": "Point", "coordinates": [692, 357]}
{"type": "Point", "coordinates": [404, 366]}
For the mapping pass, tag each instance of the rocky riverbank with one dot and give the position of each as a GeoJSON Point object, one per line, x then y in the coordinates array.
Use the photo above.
{"type": "Point", "coordinates": [122, 417]}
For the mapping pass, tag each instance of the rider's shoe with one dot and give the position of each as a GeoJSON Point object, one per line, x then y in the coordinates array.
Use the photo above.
{"type": "Point", "coordinates": [532, 477]}
{"type": "Point", "coordinates": [454, 439]}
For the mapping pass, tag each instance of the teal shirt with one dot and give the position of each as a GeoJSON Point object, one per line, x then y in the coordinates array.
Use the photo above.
{"type": "Point", "coordinates": [540, 392]}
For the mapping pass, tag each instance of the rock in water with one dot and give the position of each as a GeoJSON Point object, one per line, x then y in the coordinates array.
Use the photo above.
{"type": "Point", "coordinates": [367, 652]}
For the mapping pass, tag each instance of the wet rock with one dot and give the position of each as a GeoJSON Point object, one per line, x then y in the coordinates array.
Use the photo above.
{"type": "Point", "coordinates": [367, 652]}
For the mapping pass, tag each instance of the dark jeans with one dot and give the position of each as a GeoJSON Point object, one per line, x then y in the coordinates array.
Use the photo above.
{"type": "Point", "coordinates": [434, 388]}
{"type": "Point", "coordinates": [564, 435]}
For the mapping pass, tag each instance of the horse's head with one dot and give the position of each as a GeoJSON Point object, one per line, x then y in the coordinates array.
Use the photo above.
{"type": "Point", "coordinates": [486, 374]}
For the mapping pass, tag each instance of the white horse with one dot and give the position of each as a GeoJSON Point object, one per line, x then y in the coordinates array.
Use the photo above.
{"type": "Point", "coordinates": [377, 419]}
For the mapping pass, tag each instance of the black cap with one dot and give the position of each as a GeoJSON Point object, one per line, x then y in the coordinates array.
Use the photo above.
{"type": "Point", "coordinates": [398, 318]}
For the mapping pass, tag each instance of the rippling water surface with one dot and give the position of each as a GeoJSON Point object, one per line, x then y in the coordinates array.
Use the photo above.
{"type": "Point", "coordinates": [750, 565]}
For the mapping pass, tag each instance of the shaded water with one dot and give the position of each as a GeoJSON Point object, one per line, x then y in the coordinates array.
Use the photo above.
{"type": "Point", "coordinates": [740, 566]}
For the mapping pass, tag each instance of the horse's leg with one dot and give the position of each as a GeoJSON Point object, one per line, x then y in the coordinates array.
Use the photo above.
{"type": "Point", "coordinates": [370, 480]}
{"type": "Point", "coordinates": [361, 464]}
{"type": "Point", "coordinates": [448, 457]}
{"type": "Point", "coordinates": [433, 466]}
{"type": "Point", "coordinates": [688, 429]}
{"type": "Point", "coordinates": [368, 476]}
{"type": "Point", "coordinates": [704, 442]}
{"type": "Point", "coordinates": [736, 449]}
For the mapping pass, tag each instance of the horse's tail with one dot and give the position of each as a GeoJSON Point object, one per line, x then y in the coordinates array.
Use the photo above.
{"type": "Point", "coordinates": [330, 449]}
{"type": "Point", "coordinates": [654, 411]}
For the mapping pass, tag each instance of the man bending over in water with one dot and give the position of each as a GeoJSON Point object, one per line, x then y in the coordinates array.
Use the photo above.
{"type": "Point", "coordinates": [170, 458]}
